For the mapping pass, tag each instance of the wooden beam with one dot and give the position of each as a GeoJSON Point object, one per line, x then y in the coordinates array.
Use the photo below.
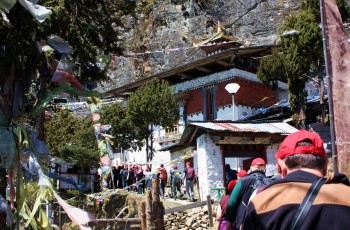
{"type": "Point", "coordinates": [193, 135]}
{"type": "Point", "coordinates": [224, 63]}
{"type": "Point", "coordinates": [185, 207]}
{"type": "Point", "coordinates": [205, 70]}
{"type": "Point", "coordinates": [123, 221]}
{"type": "Point", "coordinates": [245, 141]}
{"type": "Point", "coordinates": [232, 59]}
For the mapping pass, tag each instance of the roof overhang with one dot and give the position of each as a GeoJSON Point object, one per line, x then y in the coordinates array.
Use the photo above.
{"type": "Point", "coordinates": [237, 132]}
{"type": "Point", "coordinates": [199, 68]}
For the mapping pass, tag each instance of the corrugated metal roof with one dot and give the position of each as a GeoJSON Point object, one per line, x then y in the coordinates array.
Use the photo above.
{"type": "Point", "coordinates": [273, 127]}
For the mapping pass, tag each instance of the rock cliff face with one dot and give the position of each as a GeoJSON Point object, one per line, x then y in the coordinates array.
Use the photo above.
{"type": "Point", "coordinates": [162, 35]}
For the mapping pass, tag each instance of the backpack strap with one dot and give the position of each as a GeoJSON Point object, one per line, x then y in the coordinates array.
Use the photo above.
{"type": "Point", "coordinates": [305, 206]}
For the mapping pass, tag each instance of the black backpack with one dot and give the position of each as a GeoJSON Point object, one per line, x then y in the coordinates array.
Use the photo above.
{"type": "Point", "coordinates": [261, 180]}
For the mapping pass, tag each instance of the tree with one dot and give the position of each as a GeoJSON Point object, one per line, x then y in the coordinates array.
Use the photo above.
{"type": "Point", "coordinates": [153, 104]}
{"type": "Point", "coordinates": [271, 69]}
{"type": "Point", "coordinates": [301, 58]}
{"type": "Point", "coordinates": [123, 131]}
{"type": "Point", "coordinates": [72, 139]}
{"type": "Point", "coordinates": [301, 53]}
{"type": "Point", "coordinates": [89, 26]}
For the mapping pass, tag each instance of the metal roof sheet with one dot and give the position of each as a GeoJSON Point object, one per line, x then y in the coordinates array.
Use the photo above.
{"type": "Point", "coordinates": [274, 127]}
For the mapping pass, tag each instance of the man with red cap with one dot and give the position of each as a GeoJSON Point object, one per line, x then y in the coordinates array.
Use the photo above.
{"type": "Point", "coordinates": [188, 178]}
{"type": "Point", "coordinates": [303, 198]}
{"type": "Point", "coordinates": [240, 195]}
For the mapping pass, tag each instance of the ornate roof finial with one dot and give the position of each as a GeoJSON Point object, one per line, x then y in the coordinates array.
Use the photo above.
{"type": "Point", "coordinates": [219, 27]}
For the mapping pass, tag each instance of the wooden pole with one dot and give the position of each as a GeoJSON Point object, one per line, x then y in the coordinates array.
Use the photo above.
{"type": "Point", "coordinates": [60, 216]}
{"type": "Point", "coordinates": [210, 212]}
{"type": "Point", "coordinates": [157, 206]}
{"type": "Point", "coordinates": [149, 217]}
{"type": "Point", "coordinates": [155, 189]}
{"type": "Point", "coordinates": [142, 215]}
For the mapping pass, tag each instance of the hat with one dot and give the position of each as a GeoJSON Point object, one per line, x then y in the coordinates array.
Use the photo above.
{"type": "Point", "coordinates": [188, 163]}
{"type": "Point", "coordinates": [231, 185]}
{"type": "Point", "coordinates": [242, 173]}
{"type": "Point", "coordinates": [258, 162]}
{"type": "Point", "coordinates": [175, 166]}
{"type": "Point", "coordinates": [289, 145]}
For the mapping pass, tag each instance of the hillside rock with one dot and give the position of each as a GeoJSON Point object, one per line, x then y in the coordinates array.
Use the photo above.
{"type": "Point", "coordinates": [161, 36]}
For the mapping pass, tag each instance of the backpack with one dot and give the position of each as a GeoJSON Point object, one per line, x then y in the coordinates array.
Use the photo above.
{"type": "Point", "coordinates": [260, 181]}
{"type": "Point", "coordinates": [163, 175]}
{"type": "Point", "coordinates": [190, 173]}
{"type": "Point", "coordinates": [176, 177]}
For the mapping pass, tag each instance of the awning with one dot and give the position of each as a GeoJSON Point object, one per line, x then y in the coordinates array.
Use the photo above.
{"type": "Point", "coordinates": [197, 128]}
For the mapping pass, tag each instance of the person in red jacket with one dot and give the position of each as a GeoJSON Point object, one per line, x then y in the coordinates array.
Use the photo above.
{"type": "Point", "coordinates": [163, 177]}
{"type": "Point", "coordinates": [302, 162]}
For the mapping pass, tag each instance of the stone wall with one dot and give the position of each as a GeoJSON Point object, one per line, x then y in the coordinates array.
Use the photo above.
{"type": "Point", "coordinates": [196, 218]}
{"type": "Point", "coordinates": [210, 168]}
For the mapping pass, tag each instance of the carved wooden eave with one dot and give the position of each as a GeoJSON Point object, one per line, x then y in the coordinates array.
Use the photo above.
{"type": "Point", "coordinates": [216, 63]}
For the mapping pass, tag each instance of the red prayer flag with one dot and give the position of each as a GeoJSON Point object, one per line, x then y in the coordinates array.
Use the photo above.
{"type": "Point", "coordinates": [63, 77]}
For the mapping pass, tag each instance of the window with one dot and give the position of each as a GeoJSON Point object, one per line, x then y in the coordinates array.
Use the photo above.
{"type": "Point", "coordinates": [172, 130]}
{"type": "Point", "coordinates": [209, 103]}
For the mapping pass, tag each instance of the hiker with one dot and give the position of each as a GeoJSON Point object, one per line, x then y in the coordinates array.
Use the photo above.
{"type": "Point", "coordinates": [231, 174]}
{"type": "Point", "coordinates": [148, 178]}
{"type": "Point", "coordinates": [140, 180]}
{"type": "Point", "coordinates": [175, 180]}
{"type": "Point", "coordinates": [163, 177]}
{"type": "Point", "coordinates": [302, 162]}
{"type": "Point", "coordinates": [241, 173]}
{"type": "Point", "coordinates": [221, 210]}
{"type": "Point", "coordinates": [240, 195]}
{"type": "Point", "coordinates": [188, 178]}
{"type": "Point", "coordinates": [130, 176]}
{"type": "Point", "coordinates": [124, 175]}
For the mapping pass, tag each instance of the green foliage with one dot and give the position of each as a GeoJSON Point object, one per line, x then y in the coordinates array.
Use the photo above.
{"type": "Point", "coordinates": [153, 104]}
{"type": "Point", "coordinates": [271, 70]}
{"type": "Point", "coordinates": [301, 54]}
{"type": "Point", "coordinates": [88, 25]}
{"type": "Point", "coordinates": [72, 139]}
{"type": "Point", "coordinates": [122, 128]}
{"type": "Point", "coordinates": [90, 28]}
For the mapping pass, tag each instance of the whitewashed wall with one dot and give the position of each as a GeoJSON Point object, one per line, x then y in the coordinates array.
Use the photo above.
{"type": "Point", "coordinates": [225, 112]}
{"type": "Point", "coordinates": [195, 117]}
{"type": "Point", "coordinates": [210, 168]}
{"type": "Point", "coordinates": [271, 160]}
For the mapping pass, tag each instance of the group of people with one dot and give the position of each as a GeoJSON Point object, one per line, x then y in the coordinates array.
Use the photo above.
{"type": "Point", "coordinates": [302, 198]}
{"type": "Point", "coordinates": [139, 178]}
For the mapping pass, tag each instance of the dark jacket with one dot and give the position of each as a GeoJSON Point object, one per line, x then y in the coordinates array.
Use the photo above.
{"type": "Point", "coordinates": [275, 206]}
{"type": "Point", "coordinates": [240, 196]}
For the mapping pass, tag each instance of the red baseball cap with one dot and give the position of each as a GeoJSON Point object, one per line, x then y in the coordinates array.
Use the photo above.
{"type": "Point", "coordinates": [231, 185]}
{"type": "Point", "coordinates": [289, 145]}
{"type": "Point", "coordinates": [242, 173]}
{"type": "Point", "coordinates": [188, 163]}
{"type": "Point", "coordinates": [175, 166]}
{"type": "Point", "coordinates": [258, 162]}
